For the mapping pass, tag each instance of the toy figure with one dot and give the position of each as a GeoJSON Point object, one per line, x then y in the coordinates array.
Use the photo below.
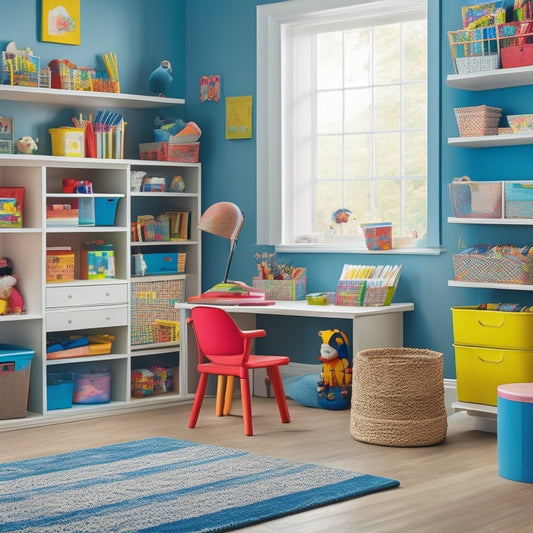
{"type": "Point", "coordinates": [26, 145]}
{"type": "Point", "coordinates": [11, 301]}
{"type": "Point", "coordinates": [335, 382]}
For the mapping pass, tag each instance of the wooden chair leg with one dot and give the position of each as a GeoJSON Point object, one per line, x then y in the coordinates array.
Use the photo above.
{"type": "Point", "coordinates": [221, 385]}
{"type": "Point", "coordinates": [228, 398]}
{"type": "Point", "coordinates": [277, 385]}
{"type": "Point", "coordinates": [198, 399]}
{"type": "Point", "coordinates": [246, 407]}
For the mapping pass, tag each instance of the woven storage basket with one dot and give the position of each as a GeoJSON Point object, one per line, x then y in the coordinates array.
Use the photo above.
{"type": "Point", "coordinates": [398, 397]}
{"type": "Point", "coordinates": [15, 387]}
{"type": "Point", "coordinates": [477, 121]}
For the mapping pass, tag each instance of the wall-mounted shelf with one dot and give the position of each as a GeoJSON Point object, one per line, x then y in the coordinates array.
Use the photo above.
{"type": "Point", "coordinates": [492, 79]}
{"type": "Point", "coordinates": [84, 99]}
{"type": "Point", "coordinates": [505, 286]}
{"type": "Point", "coordinates": [494, 221]}
{"type": "Point", "coordinates": [511, 139]}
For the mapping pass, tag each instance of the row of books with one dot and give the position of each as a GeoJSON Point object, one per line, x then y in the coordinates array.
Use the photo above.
{"type": "Point", "coordinates": [172, 225]}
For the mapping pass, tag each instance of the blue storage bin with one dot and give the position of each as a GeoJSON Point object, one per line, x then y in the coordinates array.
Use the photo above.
{"type": "Point", "coordinates": [19, 355]}
{"type": "Point", "coordinates": [60, 390]}
{"type": "Point", "coordinates": [105, 210]}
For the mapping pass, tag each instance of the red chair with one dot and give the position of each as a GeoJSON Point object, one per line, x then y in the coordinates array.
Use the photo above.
{"type": "Point", "coordinates": [224, 350]}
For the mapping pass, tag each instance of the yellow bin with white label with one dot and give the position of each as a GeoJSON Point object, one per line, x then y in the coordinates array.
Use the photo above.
{"type": "Point", "coordinates": [68, 142]}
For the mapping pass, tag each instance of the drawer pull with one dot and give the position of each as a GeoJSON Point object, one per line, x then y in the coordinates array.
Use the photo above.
{"type": "Point", "coordinates": [69, 296]}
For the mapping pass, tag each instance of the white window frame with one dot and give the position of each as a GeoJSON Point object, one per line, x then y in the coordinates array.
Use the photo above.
{"type": "Point", "coordinates": [272, 21]}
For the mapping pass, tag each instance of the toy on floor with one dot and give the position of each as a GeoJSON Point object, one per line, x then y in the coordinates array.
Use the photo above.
{"type": "Point", "coordinates": [335, 382]}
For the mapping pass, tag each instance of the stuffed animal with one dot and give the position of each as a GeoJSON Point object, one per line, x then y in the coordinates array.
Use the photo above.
{"type": "Point", "coordinates": [11, 301]}
{"type": "Point", "coordinates": [335, 382]}
{"type": "Point", "coordinates": [26, 145]}
{"type": "Point", "coordinates": [160, 79]}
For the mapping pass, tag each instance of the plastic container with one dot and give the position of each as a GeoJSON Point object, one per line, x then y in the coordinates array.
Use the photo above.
{"type": "Point", "coordinates": [481, 370]}
{"type": "Point", "coordinates": [171, 263]}
{"type": "Point", "coordinates": [105, 210]}
{"type": "Point", "coordinates": [18, 355]}
{"type": "Point", "coordinates": [59, 390]}
{"type": "Point", "coordinates": [492, 329]}
{"type": "Point", "coordinates": [97, 262]}
{"type": "Point", "coordinates": [92, 387]}
{"type": "Point", "coordinates": [69, 142]}
{"type": "Point", "coordinates": [515, 431]}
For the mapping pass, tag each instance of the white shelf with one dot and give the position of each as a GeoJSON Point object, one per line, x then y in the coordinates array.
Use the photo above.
{"type": "Point", "coordinates": [496, 221]}
{"type": "Point", "coordinates": [510, 139]}
{"type": "Point", "coordinates": [504, 286]}
{"type": "Point", "coordinates": [479, 409]}
{"type": "Point", "coordinates": [84, 99]}
{"type": "Point", "coordinates": [492, 79]}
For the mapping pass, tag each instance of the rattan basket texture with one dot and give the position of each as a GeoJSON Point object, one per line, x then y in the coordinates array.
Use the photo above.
{"type": "Point", "coordinates": [398, 397]}
{"type": "Point", "coordinates": [478, 121]}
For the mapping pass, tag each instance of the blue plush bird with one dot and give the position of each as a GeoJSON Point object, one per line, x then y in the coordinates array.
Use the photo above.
{"type": "Point", "coordinates": [160, 80]}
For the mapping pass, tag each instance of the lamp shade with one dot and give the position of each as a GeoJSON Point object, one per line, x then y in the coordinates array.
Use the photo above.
{"type": "Point", "coordinates": [223, 219]}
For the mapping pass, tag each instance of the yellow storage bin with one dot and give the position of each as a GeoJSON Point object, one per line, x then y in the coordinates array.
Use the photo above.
{"type": "Point", "coordinates": [69, 142]}
{"type": "Point", "coordinates": [481, 370]}
{"type": "Point", "coordinates": [493, 329]}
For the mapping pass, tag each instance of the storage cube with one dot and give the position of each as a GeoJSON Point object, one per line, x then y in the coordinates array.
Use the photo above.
{"type": "Point", "coordinates": [481, 370]}
{"type": "Point", "coordinates": [519, 200]}
{"type": "Point", "coordinates": [492, 329]}
{"type": "Point", "coordinates": [479, 199]}
{"type": "Point", "coordinates": [15, 366]}
{"type": "Point", "coordinates": [59, 390]}
{"type": "Point", "coordinates": [105, 210]}
{"type": "Point", "coordinates": [68, 142]}
{"type": "Point", "coordinates": [92, 387]}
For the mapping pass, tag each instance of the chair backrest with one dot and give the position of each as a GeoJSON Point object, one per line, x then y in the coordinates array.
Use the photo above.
{"type": "Point", "coordinates": [218, 336]}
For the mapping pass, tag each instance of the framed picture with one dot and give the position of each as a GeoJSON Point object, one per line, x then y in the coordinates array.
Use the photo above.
{"type": "Point", "coordinates": [60, 21]}
{"type": "Point", "coordinates": [6, 135]}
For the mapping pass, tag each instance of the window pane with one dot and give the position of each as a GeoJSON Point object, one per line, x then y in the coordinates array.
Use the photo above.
{"type": "Point", "coordinates": [357, 199]}
{"type": "Point", "coordinates": [415, 50]}
{"type": "Point", "coordinates": [387, 108]}
{"type": "Point", "coordinates": [415, 105]}
{"type": "Point", "coordinates": [329, 60]}
{"type": "Point", "coordinates": [358, 110]}
{"type": "Point", "coordinates": [415, 154]}
{"type": "Point", "coordinates": [329, 198]}
{"type": "Point", "coordinates": [415, 206]}
{"type": "Point", "coordinates": [329, 112]}
{"type": "Point", "coordinates": [387, 154]}
{"type": "Point", "coordinates": [387, 56]}
{"type": "Point", "coordinates": [388, 202]}
{"type": "Point", "coordinates": [329, 157]}
{"type": "Point", "coordinates": [357, 50]}
{"type": "Point", "coordinates": [357, 156]}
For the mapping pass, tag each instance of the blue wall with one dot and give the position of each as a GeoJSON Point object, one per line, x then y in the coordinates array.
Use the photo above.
{"type": "Point", "coordinates": [221, 40]}
{"type": "Point", "coordinates": [137, 32]}
{"type": "Point", "coordinates": [214, 37]}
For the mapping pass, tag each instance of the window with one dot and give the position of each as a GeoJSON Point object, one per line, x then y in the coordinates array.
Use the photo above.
{"type": "Point", "coordinates": [342, 119]}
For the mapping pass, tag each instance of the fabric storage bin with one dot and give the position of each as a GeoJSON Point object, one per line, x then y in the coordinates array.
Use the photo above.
{"type": "Point", "coordinates": [519, 200]}
{"type": "Point", "coordinates": [482, 199]}
{"type": "Point", "coordinates": [481, 370]}
{"type": "Point", "coordinates": [105, 210]}
{"type": "Point", "coordinates": [59, 390]}
{"type": "Point", "coordinates": [92, 387]}
{"type": "Point", "coordinates": [15, 367]}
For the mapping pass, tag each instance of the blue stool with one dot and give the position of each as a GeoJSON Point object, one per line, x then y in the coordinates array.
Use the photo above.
{"type": "Point", "coordinates": [515, 431]}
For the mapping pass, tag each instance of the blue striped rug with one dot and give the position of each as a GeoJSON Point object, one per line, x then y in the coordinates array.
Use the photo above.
{"type": "Point", "coordinates": [162, 484]}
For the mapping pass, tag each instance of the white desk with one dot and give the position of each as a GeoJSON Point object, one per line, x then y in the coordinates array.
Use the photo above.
{"type": "Point", "coordinates": [372, 327]}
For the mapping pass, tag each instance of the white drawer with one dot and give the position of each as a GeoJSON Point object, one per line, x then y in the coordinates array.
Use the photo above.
{"type": "Point", "coordinates": [89, 317]}
{"type": "Point", "coordinates": [81, 295]}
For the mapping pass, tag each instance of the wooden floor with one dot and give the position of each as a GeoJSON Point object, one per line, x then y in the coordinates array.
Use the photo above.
{"type": "Point", "coordinates": [453, 487]}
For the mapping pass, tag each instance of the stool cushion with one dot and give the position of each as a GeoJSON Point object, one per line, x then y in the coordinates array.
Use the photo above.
{"type": "Point", "coordinates": [398, 397]}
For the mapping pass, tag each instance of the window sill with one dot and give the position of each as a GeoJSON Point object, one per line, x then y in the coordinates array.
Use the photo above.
{"type": "Point", "coordinates": [314, 248]}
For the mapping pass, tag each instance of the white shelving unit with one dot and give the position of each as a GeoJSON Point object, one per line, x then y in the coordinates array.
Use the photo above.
{"type": "Point", "coordinates": [90, 306]}
{"type": "Point", "coordinates": [483, 81]}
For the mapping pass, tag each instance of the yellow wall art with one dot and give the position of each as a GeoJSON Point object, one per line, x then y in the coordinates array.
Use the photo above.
{"type": "Point", "coordinates": [238, 117]}
{"type": "Point", "coordinates": [60, 21]}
